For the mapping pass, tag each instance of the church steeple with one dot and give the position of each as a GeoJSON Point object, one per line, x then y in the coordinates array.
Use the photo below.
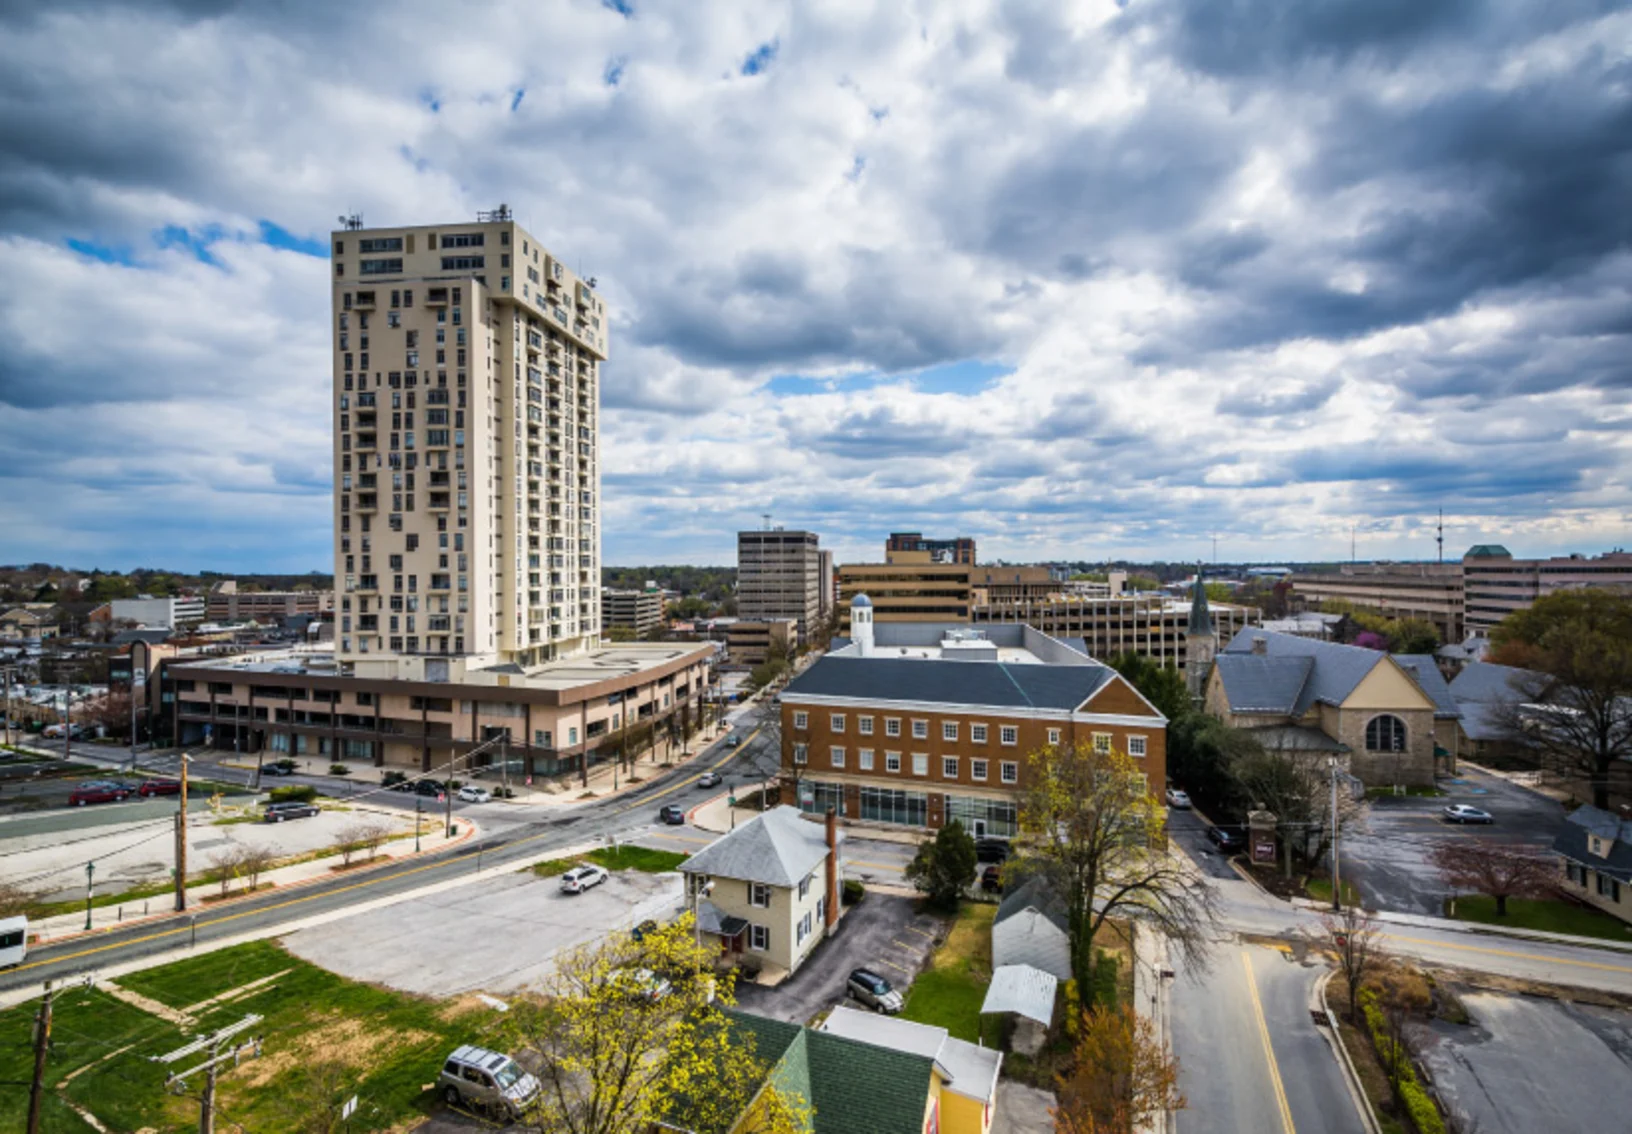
{"type": "Point", "coordinates": [1200, 641]}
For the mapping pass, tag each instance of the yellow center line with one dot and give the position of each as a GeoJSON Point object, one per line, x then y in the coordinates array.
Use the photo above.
{"type": "Point", "coordinates": [1269, 1051]}
{"type": "Point", "coordinates": [875, 865]}
{"type": "Point", "coordinates": [1538, 957]}
{"type": "Point", "coordinates": [364, 884]}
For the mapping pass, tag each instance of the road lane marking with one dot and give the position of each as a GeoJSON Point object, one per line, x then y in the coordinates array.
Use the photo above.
{"type": "Point", "coordinates": [180, 930]}
{"type": "Point", "coordinates": [1269, 1051]}
{"type": "Point", "coordinates": [895, 866]}
{"type": "Point", "coordinates": [1538, 957]}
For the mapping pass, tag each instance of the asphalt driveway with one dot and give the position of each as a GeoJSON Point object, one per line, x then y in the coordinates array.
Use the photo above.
{"type": "Point", "coordinates": [1188, 830]}
{"type": "Point", "coordinates": [884, 933]}
{"type": "Point", "coordinates": [1385, 854]}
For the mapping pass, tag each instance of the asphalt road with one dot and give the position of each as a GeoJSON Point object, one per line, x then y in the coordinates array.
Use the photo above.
{"type": "Point", "coordinates": [525, 840]}
{"type": "Point", "coordinates": [1250, 1058]}
{"type": "Point", "coordinates": [1386, 854]}
{"type": "Point", "coordinates": [1189, 831]}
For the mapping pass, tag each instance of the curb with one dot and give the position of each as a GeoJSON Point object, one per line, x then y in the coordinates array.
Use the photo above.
{"type": "Point", "coordinates": [1479, 929]}
{"type": "Point", "coordinates": [1351, 1077]}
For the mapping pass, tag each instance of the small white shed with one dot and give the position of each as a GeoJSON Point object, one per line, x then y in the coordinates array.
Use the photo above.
{"type": "Point", "coordinates": [1031, 929]}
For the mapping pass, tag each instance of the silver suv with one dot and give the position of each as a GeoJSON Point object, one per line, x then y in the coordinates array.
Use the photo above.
{"type": "Point", "coordinates": [489, 1081]}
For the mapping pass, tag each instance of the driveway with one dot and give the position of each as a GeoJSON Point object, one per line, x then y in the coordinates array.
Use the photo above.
{"type": "Point", "coordinates": [884, 933]}
{"type": "Point", "coordinates": [1386, 853]}
{"type": "Point", "coordinates": [1526, 1064]}
{"type": "Point", "coordinates": [1188, 830]}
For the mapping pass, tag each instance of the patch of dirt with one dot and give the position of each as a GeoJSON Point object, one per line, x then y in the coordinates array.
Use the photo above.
{"type": "Point", "coordinates": [343, 1040]}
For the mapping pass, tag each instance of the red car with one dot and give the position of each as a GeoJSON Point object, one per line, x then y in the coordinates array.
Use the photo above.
{"type": "Point", "coordinates": [159, 787]}
{"type": "Point", "coordinates": [98, 791]}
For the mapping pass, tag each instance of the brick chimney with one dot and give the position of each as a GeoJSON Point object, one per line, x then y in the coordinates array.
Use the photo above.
{"type": "Point", "coordinates": [831, 916]}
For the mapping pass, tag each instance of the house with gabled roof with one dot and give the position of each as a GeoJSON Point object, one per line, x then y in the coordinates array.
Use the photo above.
{"type": "Point", "coordinates": [1031, 928]}
{"type": "Point", "coordinates": [1321, 699]}
{"type": "Point", "coordinates": [1596, 849]}
{"type": "Point", "coordinates": [768, 891]}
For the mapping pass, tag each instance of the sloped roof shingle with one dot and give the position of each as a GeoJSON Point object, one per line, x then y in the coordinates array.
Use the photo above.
{"type": "Point", "coordinates": [777, 847]}
{"type": "Point", "coordinates": [999, 684]}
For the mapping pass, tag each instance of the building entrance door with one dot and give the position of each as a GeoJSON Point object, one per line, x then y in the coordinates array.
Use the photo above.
{"type": "Point", "coordinates": [980, 828]}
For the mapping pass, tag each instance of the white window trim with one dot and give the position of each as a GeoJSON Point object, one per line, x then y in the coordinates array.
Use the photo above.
{"type": "Point", "coordinates": [1102, 743]}
{"type": "Point", "coordinates": [946, 763]}
{"type": "Point", "coordinates": [864, 725]}
{"type": "Point", "coordinates": [1005, 767]}
{"type": "Point", "coordinates": [801, 753]}
{"type": "Point", "coordinates": [1053, 736]}
{"type": "Point", "coordinates": [978, 733]}
{"type": "Point", "coordinates": [864, 759]}
{"type": "Point", "coordinates": [892, 726]}
{"type": "Point", "coordinates": [920, 763]}
{"type": "Point", "coordinates": [835, 756]}
{"type": "Point", "coordinates": [1137, 746]}
{"type": "Point", "coordinates": [754, 890]}
{"type": "Point", "coordinates": [1008, 735]}
{"type": "Point", "coordinates": [755, 932]}
{"type": "Point", "coordinates": [892, 758]}
{"type": "Point", "coordinates": [801, 720]}
{"type": "Point", "coordinates": [977, 769]}
{"type": "Point", "coordinates": [920, 730]}
{"type": "Point", "coordinates": [949, 730]}
{"type": "Point", "coordinates": [837, 720]}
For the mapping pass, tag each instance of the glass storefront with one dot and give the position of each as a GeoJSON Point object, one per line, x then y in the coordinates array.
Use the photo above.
{"type": "Point", "coordinates": [997, 817]}
{"type": "Point", "coordinates": [888, 805]}
{"type": "Point", "coordinates": [815, 797]}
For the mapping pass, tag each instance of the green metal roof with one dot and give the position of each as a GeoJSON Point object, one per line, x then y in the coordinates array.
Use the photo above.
{"type": "Point", "coordinates": [1488, 551]}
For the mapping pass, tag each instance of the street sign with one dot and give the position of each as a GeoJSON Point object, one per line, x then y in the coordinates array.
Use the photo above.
{"type": "Point", "coordinates": [1263, 847]}
{"type": "Point", "coordinates": [350, 1107]}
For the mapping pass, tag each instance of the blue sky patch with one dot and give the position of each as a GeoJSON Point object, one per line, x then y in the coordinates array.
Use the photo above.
{"type": "Point", "coordinates": [969, 376]}
{"type": "Point", "coordinates": [276, 236]}
{"type": "Point", "coordinates": [515, 100]}
{"type": "Point", "coordinates": [622, 7]}
{"type": "Point", "coordinates": [106, 253]}
{"type": "Point", "coordinates": [198, 243]}
{"type": "Point", "coordinates": [614, 70]}
{"type": "Point", "coordinates": [760, 59]}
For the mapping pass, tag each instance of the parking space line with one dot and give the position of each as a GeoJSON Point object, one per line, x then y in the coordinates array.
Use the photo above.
{"type": "Point", "coordinates": [895, 966]}
{"type": "Point", "coordinates": [901, 945]}
{"type": "Point", "coordinates": [921, 932]}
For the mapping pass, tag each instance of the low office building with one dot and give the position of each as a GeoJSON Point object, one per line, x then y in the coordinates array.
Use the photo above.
{"type": "Point", "coordinates": [1320, 699]}
{"type": "Point", "coordinates": [767, 892]}
{"type": "Point", "coordinates": [1012, 584]}
{"type": "Point", "coordinates": [1429, 591]}
{"type": "Point", "coordinates": [560, 717]}
{"type": "Point", "coordinates": [750, 643]}
{"type": "Point", "coordinates": [168, 613]}
{"type": "Point", "coordinates": [1495, 584]}
{"type": "Point", "coordinates": [21, 624]}
{"type": "Point", "coordinates": [918, 724]}
{"type": "Point", "coordinates": [1595, 847]}
{"type": "Point", "coordinates": [226, 603]}
{"type": "Point", "coordinates": [639, 612]}
{"type": "Point", "coordinates": [910, 586]}
{"type": "Point", "coordinates": [1152, 626]}
{"type": "Point", "coordinates": [960, 549]}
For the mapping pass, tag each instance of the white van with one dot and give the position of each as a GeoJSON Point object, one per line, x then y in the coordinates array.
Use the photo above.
{"type": "Point", "coordinates": [13, 941]}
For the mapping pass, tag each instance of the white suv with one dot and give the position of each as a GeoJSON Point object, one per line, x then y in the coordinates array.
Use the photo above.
{"type": "Point", "coordinates": [581, 878]}
{"type": "Point", "coordinates": [486, 1080]}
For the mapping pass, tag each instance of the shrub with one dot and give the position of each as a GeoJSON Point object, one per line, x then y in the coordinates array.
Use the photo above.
{"type": "Point", "coordinates": [294, 793]}
{"type": "Point", "coordinates": [387, 779]}
{"type": "Point", "coordinates": [339, 770]}
{"type": "Point", "coordinates": [1424, 1114]}
{"type": "Point", "coordinates": [286, 763]}
{"type": "Point", "coordinates": [1073, 1008]}
{"type": "Point", "coordinates": [854, 892]}
{"type": "Point", "coordinates": [1104, 978]}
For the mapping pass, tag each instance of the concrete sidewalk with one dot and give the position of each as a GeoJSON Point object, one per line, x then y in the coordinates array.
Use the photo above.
{"type": "Point", "coordinates": [1477, 928]}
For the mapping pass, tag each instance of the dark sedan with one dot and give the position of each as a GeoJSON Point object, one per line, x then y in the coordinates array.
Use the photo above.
{"type": "Point", "coordinates": [673, 814]}
{"type": "Point", "coordinates": [1230, 840]}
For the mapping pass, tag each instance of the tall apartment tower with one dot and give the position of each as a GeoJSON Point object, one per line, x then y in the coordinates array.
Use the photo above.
{"type": "Point", "coordinates": [466, 446]}
{"type": "Point", "coordinates": [779, 575]}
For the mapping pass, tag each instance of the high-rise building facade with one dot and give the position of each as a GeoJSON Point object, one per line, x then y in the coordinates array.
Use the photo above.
{"type": "Point", "coordinates": [466, 445]}
{"type": "Point", "coordinates": [779, 575]}
{"type": "Point", "coordinates": [960, 549]}
{"type": "Point", "coordinates": [1494, 584]}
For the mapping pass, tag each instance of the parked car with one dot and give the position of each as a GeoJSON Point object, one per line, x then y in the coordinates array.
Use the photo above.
{"type": "Point", "coordinates": [641, 984]}
{"type": "Point", "coordinates": [471, 793]}
{"type": "Point", "coordinates": [150, 788]}
{"type": "Point", "coordinates": [59, 730]}
{"type": "Point", "coordinates": [1462, 813]}
{"type": "Point", "coordinates": [640, 931]}
{"type": "Point", "coordinates": [99, 791]}
{"type": "Point", "coordinates": [735, 741]}
{"type": "Point", "coordinates": [672, 814]}
{"type": "Point", "coordinates": [432, 788]}
{"type": "Point", "coordinates": [277, 770]}
{"type": "Point", "coordinates": [581, 878]}
{"type": "Point", "coordinates": [289, 809]}
{"type": "Point", "coordinates": [709, 779]}
{"type": "Point", "coordinates": [991, 850]}
{"type": "Point", "coordinates": [873, 991]}
{"type": "Point", "coordinates": [486, 1080]}
{"type": "Point", "coordinates": [1227, 839]}
{"type": "Point", "coordinates": [1177, 799]}
{"type": "Point", "coordinates": [991, 879]}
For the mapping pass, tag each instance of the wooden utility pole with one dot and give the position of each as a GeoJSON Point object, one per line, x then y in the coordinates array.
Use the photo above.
{"type": "Point", "coordinates": [181, 841]}
{"type": "Point", "coordinates": [42, 1040]}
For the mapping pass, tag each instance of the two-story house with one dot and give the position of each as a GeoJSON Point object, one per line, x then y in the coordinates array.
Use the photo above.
{"type": "Point", "coordinates": [767, 892]}
{"type": "Point", "coordinates": [1596, 848]}
{"type": "Point", "coordinates": [918, 724]}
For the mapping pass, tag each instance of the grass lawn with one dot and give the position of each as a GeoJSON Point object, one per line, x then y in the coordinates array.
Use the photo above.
{"type": "Point", "coordinates": [325, 1038]}
{"type": "Point", "coordinates": [624, 858]}
{"type": "Point", "coordinates": [1320, 889]}
{"type": "Point", "coordinates": [1549, 915]}
{"type": "Point", "coordinates": [949, 992]}
{"type": "Point", "coordinates": [1410, 790]}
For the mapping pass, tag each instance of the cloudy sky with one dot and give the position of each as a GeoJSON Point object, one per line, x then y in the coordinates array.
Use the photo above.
{"type": "Point", "coordinates": [1080, 280]}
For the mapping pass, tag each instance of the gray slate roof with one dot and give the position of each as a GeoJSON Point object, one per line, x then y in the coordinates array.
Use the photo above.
{"type": "Point", "coordinates": [1334, 672]}
{"type": "Point", "coordinates": [999, 684]}
{"type": "Point", "coordinates": [778, 848]}
{"type": "Point", "coordinates": [1422, 667]}
{"type": "Point", "coordinates": [1571, 842]}
{"type": "Point", "coordinates": [1256, 684]}
{"type": "Point", "coordinates": [1036, 894]}
{"type": "Point", "coordinates": [1295, 738]}
{"type": "Point", "coordinates": [1481, 691]}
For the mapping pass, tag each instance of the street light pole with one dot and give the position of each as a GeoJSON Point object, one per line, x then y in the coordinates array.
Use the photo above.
{"type": "Point", "coordinates": [90, 888]}
{"type": "Point", "coordinates": [1337, 881]}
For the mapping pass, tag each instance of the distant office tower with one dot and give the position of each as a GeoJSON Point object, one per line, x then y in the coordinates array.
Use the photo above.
{"type": "Point", "coordinates": [959, 550]}
{"type": "Point", "coordinates": [1494, 584]}
{"type": "Point", "coordinates": [466, 444]}
{"type": "Point", "coordinates": [638, 611]}
{"type": "Point", "coordinates": [779, 575]}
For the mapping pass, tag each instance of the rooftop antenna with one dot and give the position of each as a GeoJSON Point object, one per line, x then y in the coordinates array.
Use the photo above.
{"type": "Point", "coordinates": [1215, 549]}
{"type": "Point", "coordinates": [1352, 541]}
{"type": "Point", "coordinates": [1440, 539]}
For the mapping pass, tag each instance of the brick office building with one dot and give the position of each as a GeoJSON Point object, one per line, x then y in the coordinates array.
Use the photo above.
{"type": "Point", "coordinates": [916, 724]}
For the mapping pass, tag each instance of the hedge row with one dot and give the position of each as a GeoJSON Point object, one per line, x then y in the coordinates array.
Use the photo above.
{"type": "Point", "coordinates": [1424, 1114]}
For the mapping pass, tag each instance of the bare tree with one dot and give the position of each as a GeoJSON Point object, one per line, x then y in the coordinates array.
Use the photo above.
{"type": "Point", "coordinates": [254, 861]}
{"type": "Point", "coordinates": [352, 838]}
{"type": "Point", "coordinates": [1089, 818]}
{"type": "Point", "coordinates": [1297, 788]}
{"type": "Point", "coordinates": [1497, 871]}
{"type": "Point", "coordinates": [373, 835]}
{"type": "Point", "coordinates": [1352, 936]}
{"type": "Point", "coordinates": [227, 863]}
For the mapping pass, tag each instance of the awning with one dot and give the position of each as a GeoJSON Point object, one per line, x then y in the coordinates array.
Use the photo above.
{"type": "Point", "coordinates": [711, 919]}
{"type": "Point", "coordinates": [1023, 990]}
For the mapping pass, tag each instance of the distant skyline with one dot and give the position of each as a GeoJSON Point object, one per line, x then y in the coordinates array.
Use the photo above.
{"type": "Point", "coordinates": [1081, 281]}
